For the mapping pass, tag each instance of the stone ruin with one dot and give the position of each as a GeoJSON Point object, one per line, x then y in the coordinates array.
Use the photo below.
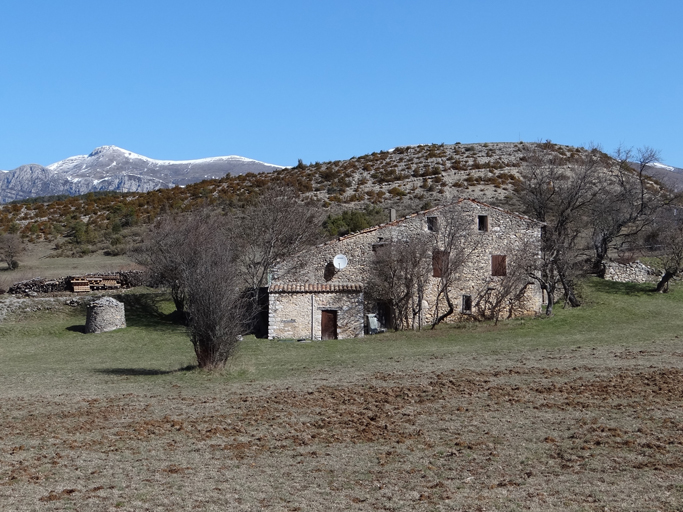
{"type": "Point", "coordinates": [105, 314]}
{"type": "Point", "coordinates": [635, 272]}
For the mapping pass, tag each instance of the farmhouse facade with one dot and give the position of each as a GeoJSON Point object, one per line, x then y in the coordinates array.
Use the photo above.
{"type": "Point", "coordinates": [315, 296]}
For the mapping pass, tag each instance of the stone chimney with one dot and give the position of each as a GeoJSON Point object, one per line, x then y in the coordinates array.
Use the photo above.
{"type": "Point", "coordinates": [392, 215]}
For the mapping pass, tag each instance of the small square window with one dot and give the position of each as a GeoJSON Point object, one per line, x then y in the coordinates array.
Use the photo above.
{"type": "Point", "coordinates": [467, 304]}
{"type": "Point", "coordinates": [483, 223]}
{"type": "Point", "coordinates": [432, 224]}
{"type": "Point", "coordinates": [498, 265]}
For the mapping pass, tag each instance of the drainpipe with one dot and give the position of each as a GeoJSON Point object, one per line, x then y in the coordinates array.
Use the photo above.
{"type": "Point", "coordinates": [312, 316]}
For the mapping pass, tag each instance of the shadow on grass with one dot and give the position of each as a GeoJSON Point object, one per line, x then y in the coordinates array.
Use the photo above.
{"type": "Point", "coordinates": [142, 310]}
{"type": "Point", "coordinates": [76, 328]}
{"type": "Point", "coordinates": [132, 372]}
{"type": "Point", "coordinates": [613, 287]}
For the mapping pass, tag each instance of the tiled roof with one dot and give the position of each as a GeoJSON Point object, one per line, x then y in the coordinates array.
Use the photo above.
{"type": "Point", "coordinates": [315, 287]}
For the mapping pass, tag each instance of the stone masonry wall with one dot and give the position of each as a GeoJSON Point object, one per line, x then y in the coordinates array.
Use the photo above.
{"type": "Point", "coordinates": [105, 314]}
{"type": "Point", "coordinates": [507, 232]}
{"type": "Point", "coordinates": [635, 272]}
{"type": "Point", "coordinates": [290, 314]}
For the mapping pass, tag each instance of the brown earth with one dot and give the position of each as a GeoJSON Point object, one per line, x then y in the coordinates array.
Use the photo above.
{"type": "Point", "coordinates": [603, 431]}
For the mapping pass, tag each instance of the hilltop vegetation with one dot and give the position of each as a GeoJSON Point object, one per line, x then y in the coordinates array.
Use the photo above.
{"type": "Point", "coordinates": [407, 178]}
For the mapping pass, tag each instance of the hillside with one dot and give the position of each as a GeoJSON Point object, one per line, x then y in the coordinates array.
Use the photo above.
{"type": "Point", "coordinates": [407, 178]}
{"type": "Point", "coordinates": [671, 177]}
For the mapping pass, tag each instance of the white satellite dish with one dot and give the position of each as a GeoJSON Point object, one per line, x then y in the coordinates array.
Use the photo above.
{"type": "Point", "coordinates": [340, 261]}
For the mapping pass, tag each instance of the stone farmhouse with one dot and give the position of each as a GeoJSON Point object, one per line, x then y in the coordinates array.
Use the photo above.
{"type": "Point", "coordinates": [311, 296]}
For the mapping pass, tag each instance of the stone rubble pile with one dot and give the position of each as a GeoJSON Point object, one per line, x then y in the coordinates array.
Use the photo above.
{"type": "Point", "coordinates": [635, 272]}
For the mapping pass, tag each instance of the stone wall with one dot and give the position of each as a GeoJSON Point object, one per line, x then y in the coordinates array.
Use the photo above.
{"type": "Point", "coordinates": [635, 272]}
{"type": "Point", "coordinates": [507, 233]}
{"type": "Point", "coordinates": [298, 315]}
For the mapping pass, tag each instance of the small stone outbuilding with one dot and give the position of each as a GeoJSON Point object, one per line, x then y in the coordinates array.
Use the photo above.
{"type": "Point", "coordinates": [315, 311]}
{"type": "Point", "coordinates": [105, 314]}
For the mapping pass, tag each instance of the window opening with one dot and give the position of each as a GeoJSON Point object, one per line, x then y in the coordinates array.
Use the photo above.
{"type": "Point", "coordinates": [432, 224]}
{"type": "Point", "coordinates": [467, 304]}
{"type": "Point", "coordinates": [498, 265]}
{"type": "Point", "coordinates": [483, 222]}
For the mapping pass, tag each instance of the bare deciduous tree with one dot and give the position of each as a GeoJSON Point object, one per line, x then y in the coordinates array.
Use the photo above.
{"type": "Point", "coordinates": [275, 227]}
{"type": "Point", "coordinates": [165, 252]}
{"type": "Point", "coordinates": [666, 240]}
{"type": "Point", "coordinates": [11, 247]}
{"type": "Point", "coordinates": [400, 276]}
{"type": "Point", "coordinates": [216, 308]}
{"type": "Point", "coordinates": [194, 257]}
{"type": "Point", "coordinates": [560, 193]}
{"type": "Point", "coordinates": [628, 203]}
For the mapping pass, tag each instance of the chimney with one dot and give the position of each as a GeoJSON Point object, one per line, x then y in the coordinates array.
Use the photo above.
{"type": "Point", "coordinates": [392, 215]}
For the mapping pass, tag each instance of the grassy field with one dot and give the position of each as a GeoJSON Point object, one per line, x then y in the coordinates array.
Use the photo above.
{"type": "Point", "coordinates": [39, 260]}
{"type": "Point", "coordinates": [578, 412]}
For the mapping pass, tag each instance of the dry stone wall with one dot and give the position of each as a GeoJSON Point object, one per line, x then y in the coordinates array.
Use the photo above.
{"type": "Point", "coordinates": [635, 272]}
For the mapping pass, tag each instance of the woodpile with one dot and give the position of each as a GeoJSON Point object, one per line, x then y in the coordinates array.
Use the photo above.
{"type": "Point", "coordinates": [82, 283]}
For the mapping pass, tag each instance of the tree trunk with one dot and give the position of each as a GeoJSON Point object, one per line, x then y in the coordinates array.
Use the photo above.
{"type": "Point", "coordinates": [448, 312]}
{"type": "Point", "coordinates": [569, 296]}
{"type": "Point", "coordinates": [551, 301]}
{"type": "Point", "coordinates": [663, 285]}
{"type": "Point", "coordinates": [601, 248]}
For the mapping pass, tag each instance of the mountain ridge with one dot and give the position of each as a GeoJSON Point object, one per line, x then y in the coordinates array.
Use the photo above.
{"type": "Point", "coordinates": [112, 168]}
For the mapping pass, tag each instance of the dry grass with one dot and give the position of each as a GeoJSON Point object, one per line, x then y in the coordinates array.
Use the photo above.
{"type": "Point", "coordinates": [38, 261]}
{"type": "Point", "coordinates": [541, 427]}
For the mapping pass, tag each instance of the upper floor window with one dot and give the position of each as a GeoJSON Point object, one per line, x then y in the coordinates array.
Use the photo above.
{"type": "Point", "coordinates": [432, 224]}
{"type": "Point", "coordinates": [483, 222]}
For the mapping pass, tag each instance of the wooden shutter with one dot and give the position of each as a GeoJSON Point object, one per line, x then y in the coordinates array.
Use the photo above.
{"type": "Point", "coordinates": [439, 262]}
{"type": "Point", "coordinates": [498, 265]}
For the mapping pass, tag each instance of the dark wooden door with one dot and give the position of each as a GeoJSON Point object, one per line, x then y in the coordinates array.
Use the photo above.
{"type": "Point", "coordinates": [329, 325]}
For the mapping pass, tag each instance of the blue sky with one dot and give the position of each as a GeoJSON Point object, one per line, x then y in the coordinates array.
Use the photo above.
{"type": "Point", "coordinates": [317, 80]}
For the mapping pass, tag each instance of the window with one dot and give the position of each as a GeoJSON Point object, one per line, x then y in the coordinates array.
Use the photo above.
{"type": "Point", "coordinates": [498, 265]}
{"type": "Point", "coordinates": [483, 223]}
{"type": "Point", "coordinates": [439, 262]}
{"type": "Point", "coordinates": [467, 304]}
{"type": "Point", "coordinates": [432, 224]}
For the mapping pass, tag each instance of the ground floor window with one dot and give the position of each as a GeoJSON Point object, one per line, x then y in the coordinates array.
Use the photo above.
{"type": "Point", "coordinates": [467, 304]}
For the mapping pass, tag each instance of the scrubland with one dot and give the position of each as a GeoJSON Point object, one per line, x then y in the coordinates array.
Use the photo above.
{"type": "Point", "coordinates": [581, 411]}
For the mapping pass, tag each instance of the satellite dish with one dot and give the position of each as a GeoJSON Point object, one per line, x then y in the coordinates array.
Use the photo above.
{"type": "Point", "coordinates": [340, 261]}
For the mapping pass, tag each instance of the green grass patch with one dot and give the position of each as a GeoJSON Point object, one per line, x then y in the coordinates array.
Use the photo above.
{"type": "Point", "coordinates": [49, 347]}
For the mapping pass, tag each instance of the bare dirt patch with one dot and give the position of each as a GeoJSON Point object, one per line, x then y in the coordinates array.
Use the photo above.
{"type": "Point", "coordinates": [540, 436]}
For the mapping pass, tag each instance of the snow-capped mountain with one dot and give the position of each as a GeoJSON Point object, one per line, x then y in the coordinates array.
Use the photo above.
{"type": "Point", "coordinates": [113, 168]}
{"type": "Point", "coordinates": [670, 176]}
